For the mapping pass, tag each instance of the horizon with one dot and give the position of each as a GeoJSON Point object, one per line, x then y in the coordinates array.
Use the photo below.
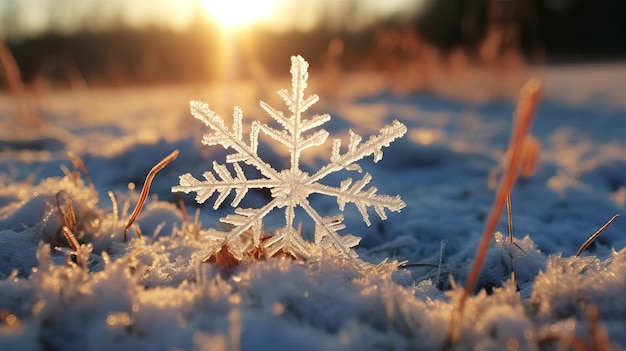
{"type": "Point", "coordinates": [31, 18]}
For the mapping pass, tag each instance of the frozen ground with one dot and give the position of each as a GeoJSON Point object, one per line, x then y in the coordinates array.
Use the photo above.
{"type": "Point", "coordinates": [155, 294]}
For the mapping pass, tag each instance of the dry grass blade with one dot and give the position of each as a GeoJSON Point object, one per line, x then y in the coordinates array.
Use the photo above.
{"type": "Point", "coordinates": [223, 258]}
{"type": "Point", "coordinates": [69, 236]}
{"type": "Point", "coordinates": [509, 215]}
{"type": "Point", "coordinates": [14, 81]}
{"type": "Point", "coordinates": [594, 236]}
{"type": "Point", "coordinates": [68, 222]}
{"type": "Point", "coordinates": [30, 179]}
{"type": "Point", "coordinates": [532, 150]}
{"type": "Point", "coordinates": [598, 338]}
{"type": "Point", "coordinates": [78, 164]}
{"type": "Point", "coordinates": [421, 264]}
{"type": "Point", "coordinates": [524, 114]}
{"type": "Point", "coordinates": [181, 206]}
{"type": "Point", "coordinates": [67, 215]}
{"type": "Point", "coordinates": [564, 341]}
{"type": "Point", "coordinates": [146, 188]}
{"type": "Point", "coordinates": [70, 215]}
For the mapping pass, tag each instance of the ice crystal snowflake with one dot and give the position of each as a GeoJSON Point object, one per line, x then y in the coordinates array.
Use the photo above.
{"type": "Point", "coordinates": [291, 187]}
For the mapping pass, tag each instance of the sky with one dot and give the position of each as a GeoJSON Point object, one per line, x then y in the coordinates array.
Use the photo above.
{"type": "Point", "coordinates": [23, 18]}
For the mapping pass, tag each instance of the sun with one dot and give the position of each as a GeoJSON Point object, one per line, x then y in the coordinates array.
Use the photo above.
{"type": "Point", "coordinates": [236, 13]}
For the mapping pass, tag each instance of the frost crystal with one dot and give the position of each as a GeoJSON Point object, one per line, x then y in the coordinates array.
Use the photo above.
{"type": "Point", "coordinates": [290, 187]}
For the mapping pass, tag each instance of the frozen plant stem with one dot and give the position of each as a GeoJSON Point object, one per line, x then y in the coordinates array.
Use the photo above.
{"type": "Point", "coordinates": [69, 236]}
{"type": "Point", "coordinates": [509, 214]}
{"type": "Point", "coordinates": [67, 215]}
{"type": "Point", "coordinates": [597, 334]}
{"type": "Point", "coordinates": [595, 235]}
{"type": "Point", "coordinates": [442, 245]}
{"type": "Point", "coordinates": [599, 339]}
{"type": "Point", "coordinates": [146, 188]}
{"type": "Point", "coordinates": [528, 100]}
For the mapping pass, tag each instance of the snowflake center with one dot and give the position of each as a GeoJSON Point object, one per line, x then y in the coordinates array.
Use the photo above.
{"type": "Point", "coordinates": [294, 186]}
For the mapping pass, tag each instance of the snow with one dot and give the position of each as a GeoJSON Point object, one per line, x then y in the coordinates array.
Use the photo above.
{"type": "Point", "coordinates": [154, 292]}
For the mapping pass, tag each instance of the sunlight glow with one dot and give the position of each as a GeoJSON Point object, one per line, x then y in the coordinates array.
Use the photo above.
{"type": "Point", "coordinates": [235, 13]}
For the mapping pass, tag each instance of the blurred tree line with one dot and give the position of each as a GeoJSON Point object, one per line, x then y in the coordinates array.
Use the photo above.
{"type": "Point", "coordinates": [483, 31]}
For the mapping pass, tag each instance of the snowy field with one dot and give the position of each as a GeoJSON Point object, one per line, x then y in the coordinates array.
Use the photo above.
{"type": "Point", "coordinates": [152, 291]}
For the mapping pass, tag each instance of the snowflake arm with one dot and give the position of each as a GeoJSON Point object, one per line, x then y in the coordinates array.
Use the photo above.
{"type": "Point", "coordinates": [299, 77]}
{"type": "Point", "coordinates": [222, 136]}
{"type": "Point", "coordinates": [358, 150]}
{"type": "Point", "coordinates": [315, 139]}
{"type": "Point", "coordinates": [223, 186]}
{"type": "Point", "coordinates": [249, 219]}
{"type": "Point", "coordinates": [220, 239]}
{"type": "Point", "coordinates": [288, 124]}
{"type": "Point", "coordinates": [326, 233]}
{"type": "Point", "coordinates": [349, 192]}
{"type": "Point", "coordinates": [288, 240]}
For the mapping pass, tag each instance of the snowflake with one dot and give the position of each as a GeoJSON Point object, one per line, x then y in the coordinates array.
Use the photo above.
{"type": "Point", "coordinates": [291, 187]}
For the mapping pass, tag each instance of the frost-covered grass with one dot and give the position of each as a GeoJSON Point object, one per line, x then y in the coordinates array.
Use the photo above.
{"type": "Point", "coordinates": [155, 293]}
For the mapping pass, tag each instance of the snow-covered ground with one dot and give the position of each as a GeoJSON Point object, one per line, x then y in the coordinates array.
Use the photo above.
{"type": "Point", "coordinates": [155, 293]}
